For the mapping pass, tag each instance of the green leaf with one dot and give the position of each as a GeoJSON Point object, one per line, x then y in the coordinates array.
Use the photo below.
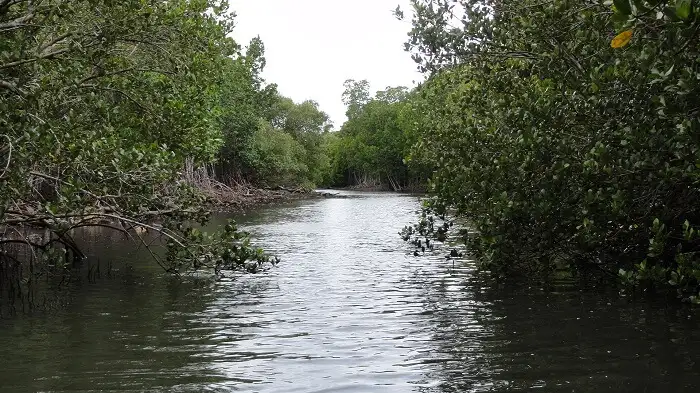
{"type": "Point", "coordinates": [623, 6]}
{"type": "Point", "coordinates": [639, 4]}
{"type": "Point", "coordinates": [683, 8]}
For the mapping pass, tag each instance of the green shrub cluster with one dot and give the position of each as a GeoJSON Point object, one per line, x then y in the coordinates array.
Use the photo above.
{"type": "Point", "coordinates": [104, 103]}
{"type": "Point", "coordinates": [372, 146]}
{"type": "Point", "coordinates": [567, 133]}
{"type": "Point", "coordinates": [269, 139]}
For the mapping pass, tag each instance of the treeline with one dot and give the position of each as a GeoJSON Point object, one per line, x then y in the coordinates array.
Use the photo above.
{"type": "Point", "coordinates": [372, 149]}
{"type": "Point", "coordinates": [273, 142]}
{"type": "Point", "coordinates": [106, 105]}
{"type": "Point", "coordinates": [567, 133]}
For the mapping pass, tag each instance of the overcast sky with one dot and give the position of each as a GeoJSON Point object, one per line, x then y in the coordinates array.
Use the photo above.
{"type": "Point", "coordinates": [313, 46]}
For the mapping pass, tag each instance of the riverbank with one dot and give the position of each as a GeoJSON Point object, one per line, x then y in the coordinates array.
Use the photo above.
{"type": "Point", "coordinates": [420, 189]}
{"type": "Point", "coordinates": [245, 197]}
{"type": "Point", "coordinates": [408, 321]}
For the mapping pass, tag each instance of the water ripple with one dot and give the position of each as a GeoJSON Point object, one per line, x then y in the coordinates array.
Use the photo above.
{"type": "Point", "coordinates": [349, 310]}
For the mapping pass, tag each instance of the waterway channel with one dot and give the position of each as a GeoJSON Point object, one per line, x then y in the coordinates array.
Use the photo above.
{"type": "Point", "coordinates": [349, 309]}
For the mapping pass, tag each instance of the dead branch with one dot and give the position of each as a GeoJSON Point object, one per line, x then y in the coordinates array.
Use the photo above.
{"type": "Point", "coordinates": [9, 155]}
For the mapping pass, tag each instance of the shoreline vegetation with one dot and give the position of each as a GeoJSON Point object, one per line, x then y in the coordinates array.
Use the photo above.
{"type": "Point", "coordinates": [139, 116]}
{"type": "Point", "coordinates": [243, 196]}
{"type": "Point", "coordinates": [564, 133]}
{"type": "Point", "coordinates": [143, 116]}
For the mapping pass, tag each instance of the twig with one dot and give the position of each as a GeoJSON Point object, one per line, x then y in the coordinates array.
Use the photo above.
{"type": "Point", "coordinates": [126, 95]}
{"type": "Point", "coordinates": [9, 156]}
{"type": "Point", "coordinates": [12, 87]}
{"type": "Point", "coordinates": [26, 241]}
{"type": "Point", "coordinates": [38, 219]}
{"type": "Point", "coordinates": [55, 41]}
{"type": "Point", "coordinates": [17, 23]}
{"type": "Point", "coordinates": [154, 256]}
{"type": "Point", "coordinates": [40, 57]}
{"type": "Point", "coordinates": [4, 4]}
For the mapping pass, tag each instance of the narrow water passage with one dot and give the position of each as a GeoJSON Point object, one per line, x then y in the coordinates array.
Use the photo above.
{"type": "Point", "coordinates": [350, 309]}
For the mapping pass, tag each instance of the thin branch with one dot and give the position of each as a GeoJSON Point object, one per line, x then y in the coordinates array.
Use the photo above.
{"type": "Point", "coordinates": [85, 223]}
{"type": "Point", "coordinates": [127, 96]}
{"type": "Point", "coordinates": [17, 23]}
{"type": "Point", "coordinates": [39, 219]}
{"type": "Point", "coordinates": [26, 241]}
{"type": "Point", "coordinates": [12, 87]}
{"type": "Point", "coordinates": [4, 4]}
{"type": "Point", "coordinates": [49, 177]}
{"type": "Point", "coordinates": [55, 41]}
{"type": "Point", "coordinates": [9, 156]}
{"type": "Point", "coordinates": [95, 76]}
{"type": "Point", "coordinates": [32, 60]}
{"type": "Point", "coordinates": [153, 255]}
{"type": "Point", "coordinates": [20, 241]}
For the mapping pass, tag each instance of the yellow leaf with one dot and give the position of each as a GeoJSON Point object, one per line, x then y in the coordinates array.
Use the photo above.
{"type": "Point", "coordinates": [622, 39]}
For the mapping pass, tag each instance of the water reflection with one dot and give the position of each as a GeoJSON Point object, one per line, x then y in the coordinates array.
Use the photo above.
{"type": "Point", "coordinates": [349, 310]}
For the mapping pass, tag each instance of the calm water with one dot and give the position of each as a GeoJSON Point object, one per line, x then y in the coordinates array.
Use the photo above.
{"type": "Point", "coordinates": [349, 310]}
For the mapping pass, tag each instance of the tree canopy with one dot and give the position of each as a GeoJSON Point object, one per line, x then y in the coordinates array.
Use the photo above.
{"type": "Point", "coordinates": [566, 132]}
{"type": "Point", "coordinates": [372, 146]}
{"type": "Point", "coordinates": [106, 104]}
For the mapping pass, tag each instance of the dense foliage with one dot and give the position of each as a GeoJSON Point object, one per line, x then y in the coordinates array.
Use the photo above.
{"type": "Point", "coordinates": [372, 146]}
{"type": "Point", "coordinates": [566, 132]}
{"type": "Point", "coordinates": [306, 124]}
{"type": "Point", "coordinates": [268, 139]}
{"type": "Point", "coordinates": [105, 103]}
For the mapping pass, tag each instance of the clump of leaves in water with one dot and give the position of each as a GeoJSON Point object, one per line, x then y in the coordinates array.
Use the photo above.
{"type": "Point", "coordinates": [227, 249]}
{"type": "Point", "coordinates": [432, 225]}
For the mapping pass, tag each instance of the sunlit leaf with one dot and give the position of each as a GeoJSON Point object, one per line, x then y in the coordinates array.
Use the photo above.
{"type": "Point", "coordinates": [622, 39]}
{"type": "Point", "coordinates": [623, 6]}
{"type": "Point", "coordinates": [683, 8]}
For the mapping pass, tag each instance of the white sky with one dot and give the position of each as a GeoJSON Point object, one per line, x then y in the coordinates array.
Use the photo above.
{"type": "Point", "coordinates": [313, 46]}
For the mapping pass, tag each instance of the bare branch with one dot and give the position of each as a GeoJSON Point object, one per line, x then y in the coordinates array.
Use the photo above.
{"type": "Point", "coordinates": [11, 87]}
{"type": "Point", "coordinates": [18, 241]}
{"type": "Point", "coordinates": [55, 41]}
{"type": "Point", "coordinates": [32, 60]}
{"type": "Point", "coordinates": [120, 92]}
{"type": "Point", "coordinates": [95, 76]}
{"type": "Point", "coordinates": [9, 156]}
{"type": "Point", "coordinates": [17, 23]}
{"type": "Point", "coordinates": [5, 4]}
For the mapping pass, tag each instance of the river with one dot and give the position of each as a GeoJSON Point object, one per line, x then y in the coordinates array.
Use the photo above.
{"type": "Point", "coordinates": [349, 309]}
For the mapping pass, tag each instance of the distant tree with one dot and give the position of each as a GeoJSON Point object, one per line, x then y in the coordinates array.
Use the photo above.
{"type": "Point", "coordinates": [372, 145]}
{"type": "Point", "coordinates": [355, 96]}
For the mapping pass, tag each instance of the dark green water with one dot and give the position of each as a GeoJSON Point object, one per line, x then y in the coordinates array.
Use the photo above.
{"type": "Point", "coordinates": [349, 310]}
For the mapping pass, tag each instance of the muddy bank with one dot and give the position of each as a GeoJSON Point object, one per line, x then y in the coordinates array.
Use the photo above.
{"type": "Point", "coordinates": [417, 189]}
{"type": "Point", "coordinates": [243, 197]}
{"type": "Point", "coordinates": [367, 188]}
